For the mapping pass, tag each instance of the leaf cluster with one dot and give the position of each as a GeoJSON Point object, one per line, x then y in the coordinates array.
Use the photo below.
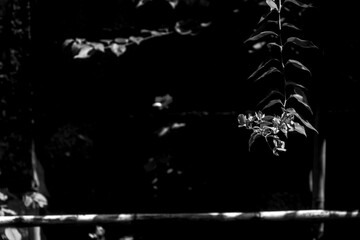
{"type": "Point", "coordinates": [282, 72]}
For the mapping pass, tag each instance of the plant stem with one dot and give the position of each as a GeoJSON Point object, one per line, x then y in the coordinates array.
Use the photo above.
{"type": "Point", "coordinates": [281, 50]}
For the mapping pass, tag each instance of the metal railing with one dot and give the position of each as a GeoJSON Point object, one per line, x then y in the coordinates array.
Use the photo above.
{"type": "Point", "coordinates": [299, 215]}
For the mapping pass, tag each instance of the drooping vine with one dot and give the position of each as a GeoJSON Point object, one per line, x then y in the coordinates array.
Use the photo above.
{"type": "Point", "coordinates": [286, 74]}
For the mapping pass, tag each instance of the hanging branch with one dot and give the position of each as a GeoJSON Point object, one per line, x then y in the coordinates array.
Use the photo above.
{"type": "Point", "coordinates": [282, 70]}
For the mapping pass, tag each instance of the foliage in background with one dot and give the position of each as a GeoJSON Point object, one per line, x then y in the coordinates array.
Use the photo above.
{"type": "Point", "coordinates": [283, 73]}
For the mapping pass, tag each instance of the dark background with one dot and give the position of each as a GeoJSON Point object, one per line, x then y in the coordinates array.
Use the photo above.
{"type": "Point", "coordinates": [97, 131]}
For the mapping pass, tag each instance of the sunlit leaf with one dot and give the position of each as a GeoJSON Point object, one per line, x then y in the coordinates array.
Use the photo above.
{"type": "Point", "coordinates": [298, 3]}
{"type": "Point", "coordinates": [298, 65]}
{"type": "Point", "coordinates": [205, 24]}
{"type": "Point", "coordinates": [306, 123]}
{"type": "Point", "coordinates": [180, 30]}
{"type": "Point", "coordinates": [3, 196]}
{"type": "Point", "coordinates": [272, 5]}
{"type": "Point", "coordinates": [292, 26]}
{"type": "Point", "coordinates": [241, 120]}
{"type": "Point", "coordinates": [258, 45]}
{"type": "Point", "coordinates": [98, 46]}
{"type": "Point", "coordinates": [120, 40]}
{"type": "Point", "coordinates": [301, 43]}
{"type": "Point", "coordinates": [68, 42]}
{"type": "Point", "coordinates": [272, 103]}
{"type": "Point", "coordinates": [85, 52]}
{"type": "Point", "coordinates": [267, 73]}
{"type": "Point", "coordinates": [12, 234]}
{"type": "Point", "coordinates": [40, 199]}
{"type": "Point", "coordinates": [136, 40]}
{"type": "Point", "coordinates": [261, 35]}
{"type": "Point", "coordinates": [299, 128]}
{"type": "Point", "coordinates": [252, 138]}
{"type": "Point", "coordinates": [268, 118]}
{"type": "Point", "coordinates": [142, 2]}
{"type": "Point", "coordinates": [117, 49]}
{"type": "Point", "coordinates": [301, 100]}
{"type": "Point", "coordinates": [173, 3]}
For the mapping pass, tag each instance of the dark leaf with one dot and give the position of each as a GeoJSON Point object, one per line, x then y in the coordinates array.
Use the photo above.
{"type": "Point", "coordinates": [261, 35]}
{"type": "Point", "coordinates": [298, 65]}
{"type": "Point", "coordinates": [292, 26]}
{"type": "Point", "coordinates": [294, 84]}
{"type": "Point", "coordinates": [272, 103]}
{"type": "Point", "coordinates": [306, 123]}
{"type": "Point", "coordinates": [273, 44]}
{"type": "Point", "coordinates": [261, 67]}
{"type": "Point", "coordinates": [301, 100]}
{"type": "Point", "coordinates": [253, 137]}
{"type": "Point", "coordinates": [270, 94]}
{"type": "Point", "coordinates": [265, 25]}
{"type": "Point", "coordinates": [301, 43]}
{"type": "Point", "coordinates": [297, 3]}
{"type": "Point", "coordinates": [266, 16]}
{"type": "Point", "coordinates": [268, 72]}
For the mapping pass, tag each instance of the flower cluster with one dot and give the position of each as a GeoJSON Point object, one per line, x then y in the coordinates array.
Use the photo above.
{"type": "Point", "coordinates": [269, 126]}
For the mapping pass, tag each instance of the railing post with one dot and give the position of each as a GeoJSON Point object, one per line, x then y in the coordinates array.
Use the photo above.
{"type": "Point", "coordinates": [319, 174]}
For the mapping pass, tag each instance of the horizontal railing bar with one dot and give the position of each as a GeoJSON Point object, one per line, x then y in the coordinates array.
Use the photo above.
{"type": "Point", "coordinates": [299, 215]}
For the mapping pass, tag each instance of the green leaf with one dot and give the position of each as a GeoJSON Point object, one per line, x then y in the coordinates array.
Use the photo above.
{"type": "Point", "coordinates": [261, 35]}
{"type": "Point", "coordinates": [272, 103]}
{"type": "Point", "coordinates": [261, 67]}
{"type": "Point", "coordinates": [299, 128]}
{"type": "Point", "coordinates": [272, 5]}
{"type": "Point", "coordinates": [292, 26]}
{"type": "Point", "coordinates": [117, 49]}
{"type": "Point", "coordinates": [85, 52]}
{"type": "Point", "coordinates": [270, 44]}
{"type": "Point", "coordinates": [306, 123]}
{"type": "Point", "coordinates": [290, 83]}
{"type": "Point", "coordinates": [173, 3]}
{"type": "Point", "coordinates": [268, 118]}
{"type": "Point", "coordinates": [301, 100]}
{"type": "Point", "coordinates": [265, 16]}
{"type": "Point", "coordinates": [136, 40]}
{"type": "Point", "coordinates": [297, 3]}
{"type": "Point", "coordinates": [267, 73]}
{"type": "Point", "coordinates": [270, 94]}
{"type": "Point", "coordinates": [300, 42]}
{"type": "Point", "coordinates": [253, 137]}
{"type": "Point", "coordinates": [298, 65]}
{"type": "Point", "coordinates": [12, 234]}
{"type": "Point", "coordinates": [98, 46]}
{"type": "Point", "coordinates": [241, 120]}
